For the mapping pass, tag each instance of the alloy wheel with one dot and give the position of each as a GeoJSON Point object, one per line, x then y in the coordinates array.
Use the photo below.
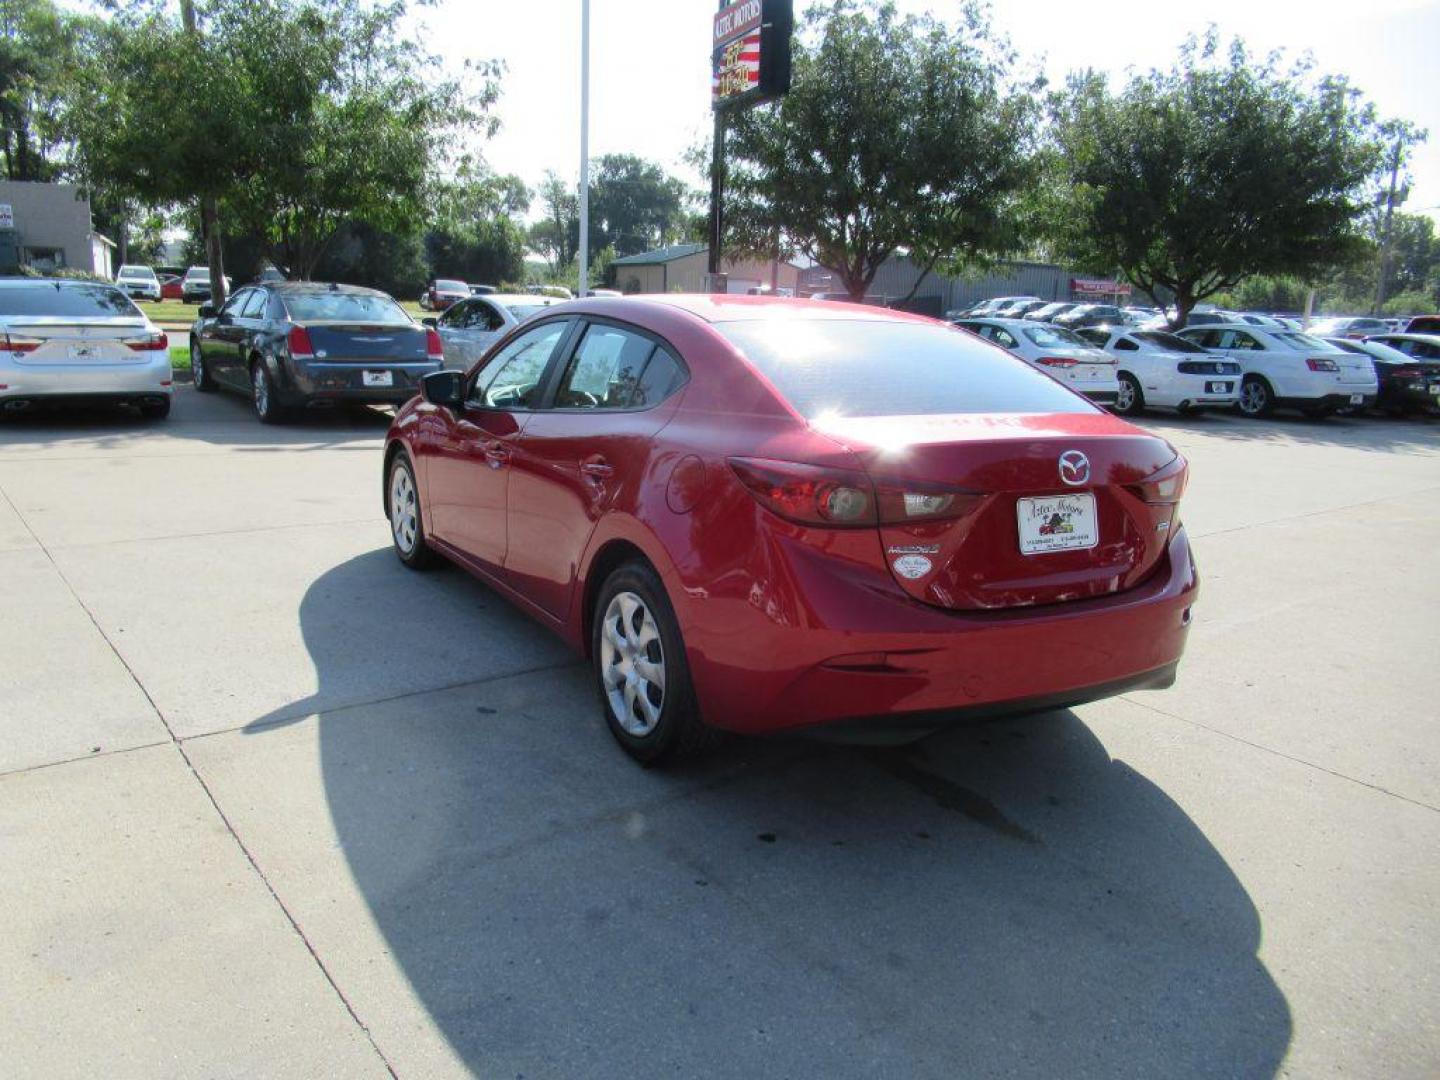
{"type": "Point", "coordinates": [261, 387]}
{"type": "Point", "coordinates": [632, 664]}
{"type": "Point", "coordinates": [404, 516]}
{"type": "Point", "coordinates": [1253, 397]}
{"type": "Point", "coordinates": [197, 364]}
{"type": "Point", "coordinates": [1125, 398]}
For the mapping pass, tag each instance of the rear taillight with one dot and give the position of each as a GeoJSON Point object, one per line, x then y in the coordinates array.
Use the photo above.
{"type": "Point", "coordinates": [1056, 361]}
{"type": "Point", "coordinates": [1407, 373]}
{"type": "Point", "coordinates": [433, 349]}
{"type": "Point", "coordinates": [149, 343]}
{"type": "Point", "coordinates": [20, 343]}
{"type": "Point", "coordinates": [840, 498]}
{"type": "Point", "coordinates": [1320, 363]}
{"type": "Point", "coordinates": [1165, 486]}
{"type": "Point", "coordinates": [299, 344]}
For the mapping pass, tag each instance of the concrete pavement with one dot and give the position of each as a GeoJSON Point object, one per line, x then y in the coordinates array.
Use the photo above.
{"type": "Point", "coordinates": [272, 805]}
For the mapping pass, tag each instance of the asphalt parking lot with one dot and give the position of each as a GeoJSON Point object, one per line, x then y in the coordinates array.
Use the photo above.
{"type": "Point", "coordinates": [272, 805]}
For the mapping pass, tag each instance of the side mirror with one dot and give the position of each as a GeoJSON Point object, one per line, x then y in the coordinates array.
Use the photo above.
{"type": "Point", "coordinates": [444, 388]}
{"type": "Point", "coordinates": [430, 321]}
{"type": "Point", "coordinates": [207, 311]}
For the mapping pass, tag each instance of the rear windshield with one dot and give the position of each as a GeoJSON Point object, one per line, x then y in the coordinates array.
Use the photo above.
{"type": "Point", "coordinates": [137, 272]}
{"type": "Point", "coordinates": [1172, 342]}
{"type": "Point", "coordinates": [344, 307]}
{"type": "Point", "coordinates": [855, 368]}
{"type": "Point", "coordinates": [450, 286]}
{"type": "Point", "coordinates": [67, 301]}
{"type": "Point", "coordinates": [1055, 337]}
{"type": "Point", "coordinates": [524, 311]}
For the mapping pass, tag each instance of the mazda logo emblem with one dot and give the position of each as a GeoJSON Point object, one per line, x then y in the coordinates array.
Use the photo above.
{"type": "Point", "coordinates": [1074, 468]}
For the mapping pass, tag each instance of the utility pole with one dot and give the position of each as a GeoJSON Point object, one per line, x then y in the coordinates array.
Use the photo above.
{"type": "Point", "coordinates": [209, 205]}
{"type": "Point", "coordinates": [1385, 228]}
{"type": "Point", "coordinates": [584, 147]}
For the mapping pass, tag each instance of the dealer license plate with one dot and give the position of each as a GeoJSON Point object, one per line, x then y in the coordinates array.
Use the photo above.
{"type": "Point", "coordinates": [377, 378]}
{"type": "Point", "coordinates": [1357, 399]}
{"type": "Point", "coordinates": [1217, 387]}
{"type": "Point", "coordinates": [1056, 523]}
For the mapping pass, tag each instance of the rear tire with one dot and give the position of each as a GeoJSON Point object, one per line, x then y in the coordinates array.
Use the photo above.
{"type": "Point", "coordinates": [262, 394]}
{"type": "Point", "coordinates": [407, 522]}
{"type": "Point", "coordinates": [1256, 398]}
{"type": "Point", "coordinates": [641, 673]}
{"type": "Point", "coordinates": [155, 410]}
{"type": "Point", "coordinates": [1130, 400]}
{"type": "Point", "coordinates": [199, 373]}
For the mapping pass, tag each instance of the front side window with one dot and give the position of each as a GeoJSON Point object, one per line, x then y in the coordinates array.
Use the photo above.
{"type": "Point", "coordinates": [1125, 344]}
{"type": "Point", "coordinates": [254, 306]}
{"type": "Point", "coordinates": [1172, 342]}
{"type": "Point", "coordinates": [233, 305]}
{"type": "Point", "coordinates": [455, 315]}
{"type": "Point", "coordinates": [1238, 339]}
{"type": "Point", "coordinates": [483, 316]}
{"type": "Point", "coordinates": [512, 377]}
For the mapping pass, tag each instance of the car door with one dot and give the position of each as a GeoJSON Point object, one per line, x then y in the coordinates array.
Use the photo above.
{"type": "Point", "coordinates": [453, 343]}
{"type": "Point", "coordinates": [586, 454]}
{"type": "Point", "coordinates": [219, 338]}
{"type": "Point", "coordinates": [465, 454]}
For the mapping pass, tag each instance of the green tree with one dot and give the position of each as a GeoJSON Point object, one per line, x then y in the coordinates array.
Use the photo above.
{"type": "Point", "coordinates": [898, 133]}
{"type": "Point", "coordinates": [37, 42]}
{"type": "Point", "coordinates": [634, 205]}
{"type": "Point", "coordinates": [556, 236]}
{"type": "Point", "coordinates": [1224, 167]}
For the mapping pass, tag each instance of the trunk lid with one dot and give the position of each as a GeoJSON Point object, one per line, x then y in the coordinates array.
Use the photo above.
{"type": "Point", "coordinates": [367, 343]}
{"type": "Point", "coordinates": [1010, 465]}
{"type": "Point", "coordinates": [67, 340]}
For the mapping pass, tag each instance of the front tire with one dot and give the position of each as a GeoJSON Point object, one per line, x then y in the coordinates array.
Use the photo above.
{"type": "Point", "coordinates": [199, 373]}
{"type": "Point", "coordinates": [1256, 398]}
{"type": "Point", "coordinates": [640, 670]}
{"type": "Point", "coordinates": [407, 523]}
{"type": "Point", "coordinates": [1130, 400]}
{"type": "Point", "coordinates": [262, 394]}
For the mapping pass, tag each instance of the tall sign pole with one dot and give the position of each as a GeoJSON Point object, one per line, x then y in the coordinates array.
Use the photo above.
{"type": "Point", "coordinates": [749, 64]}
{"type": "Point", "coordinates": [584, 147]}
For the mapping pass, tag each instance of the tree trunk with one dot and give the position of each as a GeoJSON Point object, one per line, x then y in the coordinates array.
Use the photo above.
{"type": "Point", "coordinates": [214, 253]}
{"type": "Point", "coordinates": [1184, 304]}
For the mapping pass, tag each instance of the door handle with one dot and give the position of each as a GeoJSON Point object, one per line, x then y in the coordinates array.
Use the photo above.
{"type": "Point", "coordinates": [597, 470]}
{"type": "Point", "coordinates": [496, 455]}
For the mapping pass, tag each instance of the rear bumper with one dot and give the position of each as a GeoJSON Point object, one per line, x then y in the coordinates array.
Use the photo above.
{"type": "Point", "coordinates": [881, 658]}
{"type": "Point", "coordinates": [317, 383]}
{"type": "Point", "coordinates": [1403, 395]}
{"type": "Point", "coordinates": [111, 381]}
{"type": "Point", "coordinates": [1332, 401]}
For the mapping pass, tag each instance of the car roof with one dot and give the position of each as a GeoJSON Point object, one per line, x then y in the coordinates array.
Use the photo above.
{"type": "Point", "coordinates": [725, 307]}
{"type": "Point", "coordinates": [1429, 339]}
{"type": "Point", "coordinates": [312, 288]}
{"type": "Point", "coordinates": [23, 282]}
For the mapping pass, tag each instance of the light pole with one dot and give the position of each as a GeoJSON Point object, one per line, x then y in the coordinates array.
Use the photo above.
{"type": "Point", "coordinates": [584, 147]}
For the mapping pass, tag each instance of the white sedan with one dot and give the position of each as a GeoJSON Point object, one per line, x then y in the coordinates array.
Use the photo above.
{"type": "Point", "coordinates": [469, 327]}
{"type": "Point", "coordinates": [64, 341]}
{"type": "Point", "coordinates": [1284, 369]}
{"type": "Point", "coordinates": [1061, 354]}
{"type": "Point", "coordinates": [1164, 370]}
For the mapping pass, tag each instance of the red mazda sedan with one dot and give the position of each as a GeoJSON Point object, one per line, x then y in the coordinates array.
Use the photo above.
{"type": "Point", "coordinates": [755, 514]}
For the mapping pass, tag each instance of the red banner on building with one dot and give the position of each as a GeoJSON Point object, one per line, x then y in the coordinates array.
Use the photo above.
{"type": "Point", "coordinates": [1100, 285]}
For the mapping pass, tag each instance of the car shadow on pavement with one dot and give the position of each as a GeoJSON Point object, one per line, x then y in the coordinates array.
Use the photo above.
{"type": "Point", "coordinates": [1000, 899]}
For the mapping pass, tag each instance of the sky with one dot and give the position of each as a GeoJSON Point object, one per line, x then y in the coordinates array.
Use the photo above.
{"type": "Point", "coordinates": [650, 74]}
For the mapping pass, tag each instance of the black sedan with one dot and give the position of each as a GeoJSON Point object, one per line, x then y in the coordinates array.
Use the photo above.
{"type": "Point", "coordinates": [293, 344]}
{"type": "Point", "coordinates": [1407, 367]}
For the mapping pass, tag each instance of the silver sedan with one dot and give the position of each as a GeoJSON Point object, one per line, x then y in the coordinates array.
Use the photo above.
{"type": "Point", "coordinates": [469, 327]}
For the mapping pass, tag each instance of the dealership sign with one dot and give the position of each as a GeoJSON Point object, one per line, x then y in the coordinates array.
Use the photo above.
{"type": "Point", "coordinates": [750, 53]}
{"type": "Point", "coordinates": [1094, 285]}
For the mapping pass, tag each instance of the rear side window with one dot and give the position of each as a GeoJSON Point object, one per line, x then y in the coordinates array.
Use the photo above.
{"type": "Point", "coordinates": [254, 306]}
{"type": "Point", "coordinates": [1124, 344]}
{"type": "Point", "coordinates": [859, 368]}
{"type": "Point", "coordinates": [66, 301]}
{"type": "Point", "coordinates": [1173, 342]}
{"type": "Point", "coordinates": [615, 369]}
